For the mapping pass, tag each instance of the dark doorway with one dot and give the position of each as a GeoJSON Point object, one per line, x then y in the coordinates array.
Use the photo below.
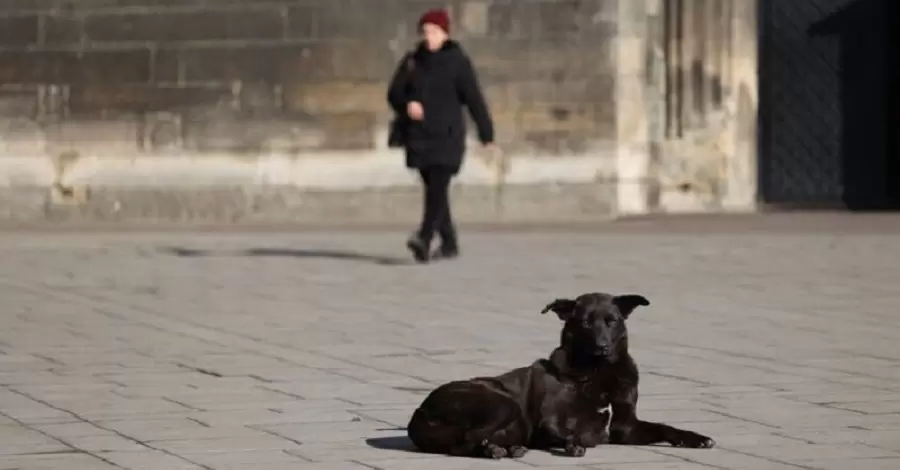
{"type": "Point", "coordinates": [893, 130]}
{"type": "Point", "coordinates": [828, 110]}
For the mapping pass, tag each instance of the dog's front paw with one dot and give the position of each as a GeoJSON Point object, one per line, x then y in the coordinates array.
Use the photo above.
{"type": "Point", "coordinates": [573, 450]}
{"type": "Point", "coordinates": [495, 452]}
{"type": "Point", "coordinates": [692, 440]}
{"type": "Point", "coordinates": [517, 452]}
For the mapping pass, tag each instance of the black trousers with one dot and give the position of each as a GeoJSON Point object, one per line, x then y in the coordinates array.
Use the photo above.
{"type": "Point", "coordinates": [436, 214]}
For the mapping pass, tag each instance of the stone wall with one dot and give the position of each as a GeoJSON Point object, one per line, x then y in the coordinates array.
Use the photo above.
{"type": "Point", "coordinates": [275, 109]}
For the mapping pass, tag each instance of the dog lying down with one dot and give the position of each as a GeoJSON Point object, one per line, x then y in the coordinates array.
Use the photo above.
{"type": "Point", "coordinates": [493, 416]}
{"type": "Point", "coordinates": [585, 394]}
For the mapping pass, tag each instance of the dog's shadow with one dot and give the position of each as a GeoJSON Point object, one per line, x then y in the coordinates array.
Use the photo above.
{"type": "Point", "coordinates": [403, 444]}
{"type": "Point", "coordinates": [395, 443]}
{"type": "Point", "coordinates": [182, 252]}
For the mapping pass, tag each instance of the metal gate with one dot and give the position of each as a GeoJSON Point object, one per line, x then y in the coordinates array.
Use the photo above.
{"type": "Point", "coordinates": [825, 135]}
{"type": "Point", "coordinates": [800, 108]}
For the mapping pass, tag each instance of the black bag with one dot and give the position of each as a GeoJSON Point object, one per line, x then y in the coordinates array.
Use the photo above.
{"type": "Point", "coordinates": [397, 132]}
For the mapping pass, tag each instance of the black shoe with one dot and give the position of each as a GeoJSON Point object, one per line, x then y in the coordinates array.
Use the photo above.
{"type": "Point", "coordinates": [419, 248]}
{"type": "Point", "coordinates": [445, 252]}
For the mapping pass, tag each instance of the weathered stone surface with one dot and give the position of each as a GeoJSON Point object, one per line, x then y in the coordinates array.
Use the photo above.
{"type": "Point", "coordinates": [331, 97]}
{"type": "Point", "coordinates": [62, 29]}
{"type": "Point", "coordinates": [220, 130]}
{"type": "Point", "coordinates": [225, 64]}
{"type": "Point", "coordinates": [349, 131]}
{"type": "Point", "coordinates": [569, 83]}
{"type": "Point", "coordinates": [19, 30]}
{"type": "Point", "coordinates": [552, 53]}
{"type": "Point", "coordinates": [279, 204]}
{"type": "Point", "coordinates": [197, 25]}
{"type": "Point", "coordinates": [116, 134]}
{"type": "Point", "coordinates": [96, 98]}
{"type": "Point", "coordinates": [129, 65]}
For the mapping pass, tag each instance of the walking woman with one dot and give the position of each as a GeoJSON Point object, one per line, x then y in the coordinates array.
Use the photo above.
{"type": "Point", "coordinates": [427, 93]}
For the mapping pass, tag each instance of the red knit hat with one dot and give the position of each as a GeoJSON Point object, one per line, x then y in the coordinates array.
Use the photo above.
{"type": "Point", "coordinates": [438, 17]}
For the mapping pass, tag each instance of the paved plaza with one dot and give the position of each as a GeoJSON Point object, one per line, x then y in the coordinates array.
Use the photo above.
{"type": "Point", "coordinates": [309, 350]}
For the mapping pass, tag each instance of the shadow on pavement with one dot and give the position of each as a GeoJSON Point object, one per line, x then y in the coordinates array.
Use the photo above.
{"type": "Point", "coordinates": [392, 443]}
{"type": "Point", "coordinates": [289, 253]}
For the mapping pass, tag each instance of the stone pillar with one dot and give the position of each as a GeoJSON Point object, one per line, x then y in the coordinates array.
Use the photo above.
{"type": "Point", "coordinates": [689, 61]}
{"type": "Point", "coordinates": [741, 172]}
{"type": "Point", "coordinates": [631, 105]}
{"type": "Point", "coordinates": [658, 95]}
{"type": "Point", "coordinates": [713, 55]}
{"type": "Point", "coordinates": [674, 67]}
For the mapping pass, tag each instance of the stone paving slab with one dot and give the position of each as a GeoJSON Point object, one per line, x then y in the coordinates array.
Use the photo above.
{"type": "Point", "coordinates": [301, 351]}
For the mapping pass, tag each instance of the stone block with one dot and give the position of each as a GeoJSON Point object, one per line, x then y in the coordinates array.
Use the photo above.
{"type": "Point", "coordinates": [95, 98]}
{"type": "Point", "coordinates": [557, 128]}
{"type": "Point", "coordinates": [555, 21]}
{"type": "Point", "coordinates": [225, 64]}
{"type": "Point", "coordinates": [18, 104]}
{"type": "Point", "coordinates": [348, 131]}
{"type": "Point", "coordinates": [361, 60]}
{"type": "Point", "coordinates": [497, 60]}
{"type": "Point", "coordinates": [601, 90]}
{"type": "Point", "coordinates": [258, 99]}
{"type": "Point", "coordinates": [61, 29]}
{"type": "Point", "coordinates": [575, 60]}
{"type": "Point", "coordinates": [110, 67]}
{"type": "Point", "coordinates": [475, 18]}
{"type": "Point", "coordinates": [336, 96]}
{"type": "Point", "coordinates": [131, 65]}
{"type": "Point", "coordinates": [353, 19]}
{"type": "Point", "coordinates": [162, 131]}
{"type": "Point", "coordinates": [499, 98]}
{"type": "Point", "coordinates": [19, 30]}
{"type": "Point", "coordinates": [557, 142]}
{"type": "Point", "coordinates": [563, 18]}
{"type": "Point", "coordinates": [256, 24]}
{"type": "Point", "coordinates": [505, 19]}
{"type": "Point", "coordinates": [301, 22]}
{"type": "Point", "coordinates": [97, 136]}
{"type": "Point", "coordinates": [21, 136]}
{"type": "Point", "coordinates": [18, 5]}
{"type": "Point", "coordinates": [169, 26]}
{"type": "Point", "coordinates": [217, 131]}
{"type": "Point", "coordinates": [555, 118]}
{"type": "Point", "coordinates": [310, 64]}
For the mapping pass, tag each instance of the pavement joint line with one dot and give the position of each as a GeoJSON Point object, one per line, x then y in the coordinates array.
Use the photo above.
{"type": "Point", "coordinates": [98, 426]}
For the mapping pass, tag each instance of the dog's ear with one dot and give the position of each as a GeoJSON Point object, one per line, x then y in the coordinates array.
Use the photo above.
{"type": "Point", "coordinates": [627, 303]}
{"type": "Point", "coordinates": [563, 308]}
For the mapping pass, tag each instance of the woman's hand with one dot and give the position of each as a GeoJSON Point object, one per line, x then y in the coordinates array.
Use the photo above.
{"type": "Point", "coordinates": [414, 111]}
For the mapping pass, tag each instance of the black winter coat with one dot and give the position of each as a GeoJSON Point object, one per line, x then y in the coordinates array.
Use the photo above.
{"type": "Point", "coordinates": [443, 81]}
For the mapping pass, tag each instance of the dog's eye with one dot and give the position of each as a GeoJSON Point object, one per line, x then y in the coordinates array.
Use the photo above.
{"type": "Point", "coordinates": [611, 321]}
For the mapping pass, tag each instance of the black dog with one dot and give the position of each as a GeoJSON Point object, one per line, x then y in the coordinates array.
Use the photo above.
{"type": "Point", "coordinates": [481, 417]}
{"type": "Point", "coordinates": [584, 395]}
{"type": "Point", "coordinates": [593, 357]}
{"type": "Point", "coordinates": [499, 416]}
{"type": "Point", "coordinates": [572, 423]}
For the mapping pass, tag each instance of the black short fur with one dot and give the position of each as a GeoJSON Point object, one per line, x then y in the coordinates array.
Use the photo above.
{"type": "Point", "coordinates": [501, 416]}
{"type": "Point", "coordinates": [480, 417]}
{"type": "Point", "coordinates": [593, 357]}
{"type": "Point", "coordinates": [560, 402]}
